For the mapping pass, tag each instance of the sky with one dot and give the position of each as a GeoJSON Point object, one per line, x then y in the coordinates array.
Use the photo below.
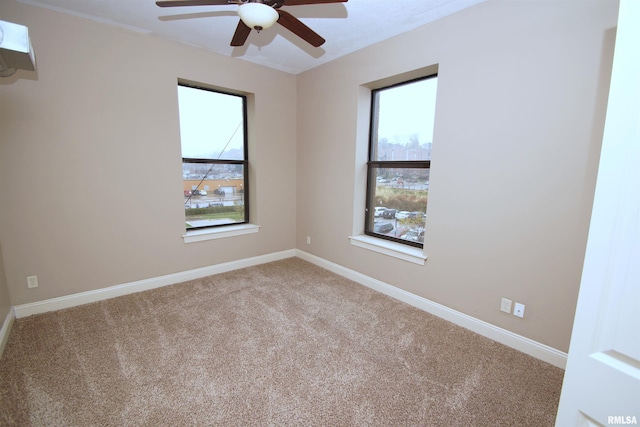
{"type": "Point", "coordinates": [208, 122]}
{"type": "Point", "coordinates": [211, 122]}
{"type": "Point", "coordinates": [408, 110]}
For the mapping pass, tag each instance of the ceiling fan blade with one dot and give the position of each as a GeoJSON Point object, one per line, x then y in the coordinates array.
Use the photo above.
{"type": "Point", "coordinates": [301, 2]}
{"type": "Point", "coordinates": [294, 25]}
{"type": "Point", "coordinates": [174, 3]}
{"type": "Point", "coordinates": [241, 34]}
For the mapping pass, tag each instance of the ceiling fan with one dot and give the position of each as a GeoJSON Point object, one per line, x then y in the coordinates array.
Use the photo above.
{"type": "Point", "coordinates": [260, 15]}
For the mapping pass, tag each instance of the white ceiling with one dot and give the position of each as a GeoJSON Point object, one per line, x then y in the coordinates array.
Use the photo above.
{"type": "Point", "coordinates": [347, 27]}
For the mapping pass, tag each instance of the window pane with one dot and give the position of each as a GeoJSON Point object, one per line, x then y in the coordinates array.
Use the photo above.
{"type": "Point", "coordinates": [398, 203]}
{"type": "Point", "coordinates": [213, 194]}
{"type": "Point", "coordinates": [403, 121]}
{"type": "Point", "coordinates": [211, 124]}
{"type": "Point", "coordinates": [214, 164]}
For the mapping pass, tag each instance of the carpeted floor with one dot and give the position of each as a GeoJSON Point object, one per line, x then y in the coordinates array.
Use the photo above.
{"type": "Point", "coordinates": [284, 343]}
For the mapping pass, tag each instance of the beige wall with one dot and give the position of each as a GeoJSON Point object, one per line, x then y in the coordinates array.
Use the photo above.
{"type": "Point", "coordinates": [520, 112]}
{"type": "Point", "coordinates": [102, 114]}
{"type": "Point", "coordinates": [5, 301]}
{"type": "Point", "coordinates": [521, 99]}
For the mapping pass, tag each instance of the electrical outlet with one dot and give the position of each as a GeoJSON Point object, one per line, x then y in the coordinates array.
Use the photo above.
{"type": "Point", "coordinates": [308, 240]}
{"type": "Point", "coordinates": [32, 281]}
{"type": "Point", "coordinates": [518, 310]}
{"type": "Point", "coordinates": [505, 305]}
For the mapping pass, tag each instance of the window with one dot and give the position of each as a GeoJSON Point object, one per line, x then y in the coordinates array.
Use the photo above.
{"type": "Point", "coordinates": [400, 141]}
{"type": "Point", "coordinates": [213, 135]}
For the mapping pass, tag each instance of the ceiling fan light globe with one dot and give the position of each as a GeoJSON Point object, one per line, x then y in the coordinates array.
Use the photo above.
{"type": "Point", "coordinates": [257, 15]}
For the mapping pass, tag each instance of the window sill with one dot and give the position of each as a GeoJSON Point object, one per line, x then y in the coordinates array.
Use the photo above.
{"type": "Point", "coordinates": [219, 232]}
{"type": "Point", "coordinates": [396, 250]}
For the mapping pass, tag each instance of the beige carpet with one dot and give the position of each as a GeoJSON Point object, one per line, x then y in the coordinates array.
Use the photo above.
{"type": "Point", "coordinates": [285, 343]}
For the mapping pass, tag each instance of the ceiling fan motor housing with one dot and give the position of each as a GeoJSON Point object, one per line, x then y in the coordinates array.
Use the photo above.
{"type": "Point", "coordinates": [257, 15]}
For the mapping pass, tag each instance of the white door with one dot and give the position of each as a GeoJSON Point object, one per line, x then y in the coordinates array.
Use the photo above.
{"type": "Point", "coordinates": [602, 379]}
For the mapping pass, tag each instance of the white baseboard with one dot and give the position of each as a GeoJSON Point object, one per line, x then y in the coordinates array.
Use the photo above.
{"type": "Point", "coordinates": [143, 285]}
{"type": "Point", "coordinates": [6, 330]}
{"type": "Point", "coordinates": [503, 336]}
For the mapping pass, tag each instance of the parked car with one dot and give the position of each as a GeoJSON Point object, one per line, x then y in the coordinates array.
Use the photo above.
{"type": "Point", "coordinates": [202, 192]}
{"type": "Point", "coordinates": [414, 236]}
{"type": "Point", "coordinates": [384, 228]}
{"type": "Point", "coordinates": [402, 215]}
{"type": "Point", "coordinates": [378, 210]}
{"type": "Point", "coordinates": [389, 213]}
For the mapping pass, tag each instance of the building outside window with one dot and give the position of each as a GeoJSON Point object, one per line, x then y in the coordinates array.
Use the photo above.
{"type": "Point", "coordinates": [401, 138]}
{"type": "Point", "coordinates": [213, 135]}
